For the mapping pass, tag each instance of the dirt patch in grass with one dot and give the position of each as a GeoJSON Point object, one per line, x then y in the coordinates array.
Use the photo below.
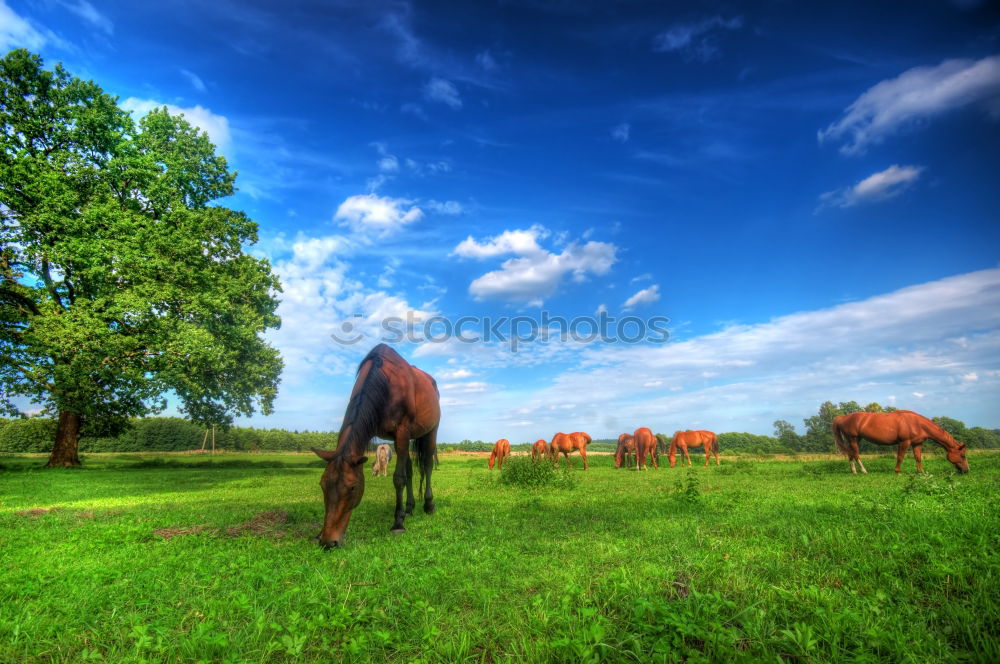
{"type": "Point", "coordinates": [168, 533]}
{"type": "Point", "coordinates": [682, 585]}
{"type": "Point", "coordinates": [265, 524]}
{"type": "Point", "coordinates": [35, 513]}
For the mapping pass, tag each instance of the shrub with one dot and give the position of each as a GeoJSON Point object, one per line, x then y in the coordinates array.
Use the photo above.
{"type": "Point", "coordinates": [522, 472]}
{"type": "Point", "coordinates": [35, 434]}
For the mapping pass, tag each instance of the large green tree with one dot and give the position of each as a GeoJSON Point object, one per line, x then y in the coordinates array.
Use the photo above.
{"type": "Point", "coordinates": [122, 279]}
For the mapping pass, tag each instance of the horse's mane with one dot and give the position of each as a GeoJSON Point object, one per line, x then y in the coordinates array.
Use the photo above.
{"type": "Point", "coordinates": [941, 435]}
{"type": "Point", "coordinates": [366, 406]}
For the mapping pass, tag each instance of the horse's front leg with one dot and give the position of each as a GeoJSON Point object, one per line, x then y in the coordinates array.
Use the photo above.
{"type": "Point", "coordinates": [402, 478]}
{"type": "Point", "coordinates": [918, 456]}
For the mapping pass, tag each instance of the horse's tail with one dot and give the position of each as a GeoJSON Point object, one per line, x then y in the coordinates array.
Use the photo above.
{"type": "Point", "coordinates": [715, 443]}
{"type": "Point", "coordinates": [672, 454]}
{"type": "Point", "coordinates": [838, 437]}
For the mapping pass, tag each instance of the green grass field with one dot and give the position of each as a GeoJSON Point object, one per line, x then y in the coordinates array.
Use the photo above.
{"type": "Point", "coordinates": [183, 559]}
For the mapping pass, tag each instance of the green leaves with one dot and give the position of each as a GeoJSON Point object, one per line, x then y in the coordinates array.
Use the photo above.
{"type": "Point", "coordinates": [121, 277]}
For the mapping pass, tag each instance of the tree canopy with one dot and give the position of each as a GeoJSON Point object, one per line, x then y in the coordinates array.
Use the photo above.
{"type": "Point", "coordinates": [121, 278]}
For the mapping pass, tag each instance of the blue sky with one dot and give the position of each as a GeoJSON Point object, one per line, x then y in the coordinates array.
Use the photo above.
{"type": "Point", "coordinates": [808, 193]}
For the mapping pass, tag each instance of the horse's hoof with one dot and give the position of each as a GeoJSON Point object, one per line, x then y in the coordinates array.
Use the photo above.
{"type": "Point", "coordinates": [429, 508]}
{"type": "Point", "coordinates": [397, 531]}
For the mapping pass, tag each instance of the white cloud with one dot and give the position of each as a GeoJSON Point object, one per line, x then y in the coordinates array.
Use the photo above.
{"type": "Point", "coordinates": [194, 80]}
{"type": "Point", "coordinates": [469, 387]}
{"type": "Point", "coordinates": [601, 309]}
{"type": "Point", "coordinates": [18, 32]}
{"type": "Point", "coordinates": [381, 215]}
{"type": "Point", "coordinates": [454, 374]}
{"type": "Point", "coordinates": [388, 164]}
{"type": "Point", "coordinates": [87, 12]}
{"type": "Point", "coordinates": [320, 298]}
{"type": "Point", "coordinates": [535, 273]}
{"type": "Point", "coordinates": [621, 132]}
{"type": "Point", "coordinates": [447, 207]}
{"type": "Point", "coordinates": [696, 41]}
{"type": "Point", "coordinates": [970, 377]}
{"type": "Point", "coordinates": [443, 91]}
{"type": "Point", "coordinates": [870, 350]}
{"type": "Point", "coordinates": [216, 126]}
{"type": "Point", "coordinates": [916, 95]}
{"type": "Point", "coordinates": [645, 296]}
{"type": "Point", "coordinates": [508, 242]}
{"type": "Point", "coordinates": [876, 187]}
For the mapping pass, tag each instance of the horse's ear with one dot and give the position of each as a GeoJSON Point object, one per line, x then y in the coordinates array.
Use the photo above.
{"type": "Point", "coordinates": [361, 461]}
{"type": "Point", "coordinates": [325, 455]}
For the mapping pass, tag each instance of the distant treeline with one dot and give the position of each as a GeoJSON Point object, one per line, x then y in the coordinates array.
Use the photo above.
{"type": "Point", "coordinates": [161, 434]}
{"type": "Point", "coordinates": [173, 434]}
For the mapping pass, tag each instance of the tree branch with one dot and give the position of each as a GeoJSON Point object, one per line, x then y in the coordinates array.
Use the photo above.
{"type": "Point", "coordinates": [50, 285]}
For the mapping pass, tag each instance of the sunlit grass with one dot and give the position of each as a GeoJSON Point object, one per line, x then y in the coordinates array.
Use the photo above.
{"type": "Point", "coordinates": [138, 560]}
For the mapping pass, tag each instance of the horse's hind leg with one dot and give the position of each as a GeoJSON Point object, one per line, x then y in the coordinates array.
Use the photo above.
{"type": "Point", "coordinates": [856, 455]}
{"type": "Point", "coordinates": [428, 450]}
{"type": "Point", "coordinates": [901, 454]}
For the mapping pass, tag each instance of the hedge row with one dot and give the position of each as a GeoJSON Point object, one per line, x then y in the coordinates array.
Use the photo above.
{"type": "Point", "coordinates": [160, 434]}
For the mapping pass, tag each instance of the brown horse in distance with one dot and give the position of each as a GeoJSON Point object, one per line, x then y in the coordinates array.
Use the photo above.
{"type": "Point", "coordinates": [539, 450]}
{"type": "Point", "coordinates": [501, 450]}
{"type": "Point", "coordinates": [566, 443]}
{"type": "Point", "coordinates": [645, 445]}
{"type": "Point", "coordinates": [686, 439]}
{"type": "Point", "coordinates": [903, 428]}
{"type": "Point", "coordinates": [381, 465]}
{"type": "Point", "coordinates": [395, 401]}
{"type": "Point", "coordinates": [625, 452]}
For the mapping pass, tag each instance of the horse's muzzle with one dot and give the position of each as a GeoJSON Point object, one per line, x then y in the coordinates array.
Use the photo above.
{"type": "Point", "coordinates": [329, 544]}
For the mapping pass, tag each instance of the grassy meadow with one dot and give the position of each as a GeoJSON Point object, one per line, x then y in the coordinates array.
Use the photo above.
{"type": "Point", "coordinates": [183, 559]}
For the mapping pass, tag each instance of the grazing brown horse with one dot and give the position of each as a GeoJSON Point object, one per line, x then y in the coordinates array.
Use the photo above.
{"type": "Point", "coordinates": [903, 428]}
{"type": "Point", "coordinates": [645, 445]}
{"type": "Point", "coordinates": [539, 450]}
{"type": "Point", "coordinates": [381, 465]}
{"type": "Point", "coordinates": [686, 439]}
{"type": "Point", "coordinates": [394, 401]}
{"type": "Point", "coordinates": [566, 443]}
{"type": "Point", "coordinates": [625, 452]}
{"type": "Point", "coordinates": [501, 450]}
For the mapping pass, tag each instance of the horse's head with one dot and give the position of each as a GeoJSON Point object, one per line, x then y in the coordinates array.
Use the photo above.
{"type": "Point", "coordinates": [493, 459]}
{"type": "Point", "coordinates": [343, 484]}
{"type": "Point", "coordinates": [957, 456]}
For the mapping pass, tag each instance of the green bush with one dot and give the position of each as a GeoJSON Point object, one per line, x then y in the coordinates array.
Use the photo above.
{"type": "Point", "coordinates": [523, 472]}
{"type": "Point", "coordinates": [31, 435]}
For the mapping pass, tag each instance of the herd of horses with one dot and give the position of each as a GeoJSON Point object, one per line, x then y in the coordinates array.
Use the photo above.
{"type": "Point", "coordinates": [632, 451]}
{"type": "Point", "coordinates": [396, 401]}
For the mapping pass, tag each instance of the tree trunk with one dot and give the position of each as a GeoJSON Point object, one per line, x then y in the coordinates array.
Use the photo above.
{"type": "Point", "coordinates": [64, 452]}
